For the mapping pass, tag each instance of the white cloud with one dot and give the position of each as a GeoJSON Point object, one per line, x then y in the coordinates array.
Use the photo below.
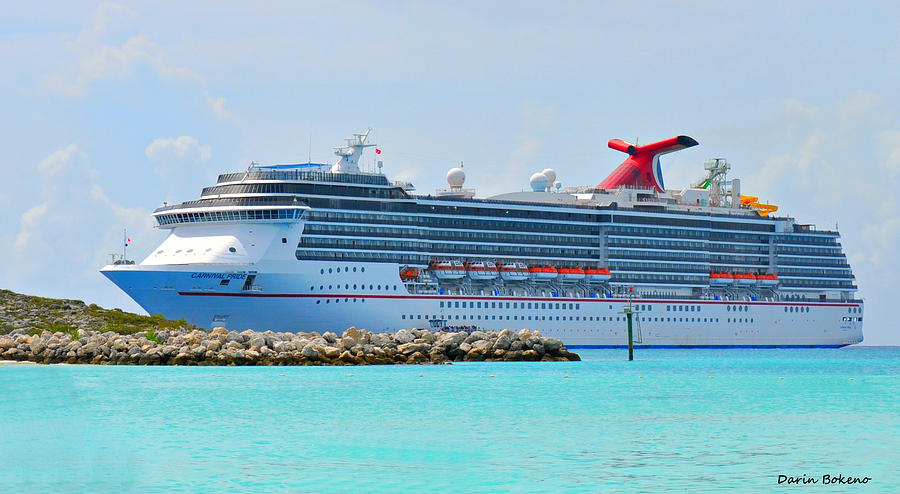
{"type": "Point", "coordinates": [796, 108]}
{"type": "Point", "coordinates": [860, 103]}
{"type": "Point", "coordinates": [72, 225]}
{"type": "Point", "coordinates": [179, 147]}
{"type": "Point", "coordinates": [29, 221]}
{"type": "Point", "coordinates": [217, 105]}
{"type": "Point", "coordinates": [98, 60]}
{"type": "Point", "coordinates": [57, 161]}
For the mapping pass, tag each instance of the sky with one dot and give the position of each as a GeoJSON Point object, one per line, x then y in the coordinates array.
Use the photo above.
{"type": "Point", "coordinates": [109, 109]}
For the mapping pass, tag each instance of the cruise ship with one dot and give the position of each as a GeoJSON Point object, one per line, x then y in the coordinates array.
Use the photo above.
{"type": "Point", "coordinates": [322, 247]}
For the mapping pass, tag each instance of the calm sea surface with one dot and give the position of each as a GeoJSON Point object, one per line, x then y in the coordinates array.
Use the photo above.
{"type": "Point", "coordinates": [671, 421]}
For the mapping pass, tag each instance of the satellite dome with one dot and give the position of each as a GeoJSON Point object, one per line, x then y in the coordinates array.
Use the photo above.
{"type": "Point", "coordinates": [456, 177]}
{"type": "Point", "coordinates": [550, 173]}
{"type": "Point", "coordinates": [539, 182]}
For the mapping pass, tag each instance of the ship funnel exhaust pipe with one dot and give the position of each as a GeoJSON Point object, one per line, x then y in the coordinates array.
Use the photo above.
{"type": "Point", "coordinates": [641, 168]}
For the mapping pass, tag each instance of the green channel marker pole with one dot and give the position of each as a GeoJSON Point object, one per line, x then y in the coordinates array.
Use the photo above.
{"type": "Point", "coordinates": [630, 337]}
{"type": "Point", "coordinates": [629, 312]}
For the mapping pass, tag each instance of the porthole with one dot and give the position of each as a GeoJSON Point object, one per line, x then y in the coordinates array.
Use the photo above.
{"type": "Point", "coordinates": [363, 269]}
{"type": "Point", "coordinates": [329, 270]}
{"type": "Point", "coordinates": [232, 250]}
{"type": "Point", "coordinates": [354, 269]}
{"type": "Point", "coordinates": [322, 271]}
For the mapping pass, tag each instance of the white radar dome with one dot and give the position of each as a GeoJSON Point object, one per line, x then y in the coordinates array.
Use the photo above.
{"type": "Point", "coordinates": [539, 182]}
{"type": "Point", "coordinates": [456, 177]}
{"type": "Point", "coordinates": [550, 173]}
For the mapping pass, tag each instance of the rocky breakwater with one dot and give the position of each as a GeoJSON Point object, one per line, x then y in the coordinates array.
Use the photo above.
{"type": "Point", "coordinates": [223, 347]}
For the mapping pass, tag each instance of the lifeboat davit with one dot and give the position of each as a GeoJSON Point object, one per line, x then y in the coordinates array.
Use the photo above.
{"type": "Point", "coordinates": [597, 275]}
{"type": "Point", "coordinates": [514, 271]}
{"type": "Point", "coordinates": [721, 279]}
{"type": "Point", "coordinates": [408, 274]}
{"type": "Point", "coordinates": [767, 279]}
{"type": "Point", "coordinates": [482, 270]}
{"type": "Point", "coordinates": [745, 279]}
{"type": "Point", "coordinates": [571, 274]}
{"type": "Point", "coordinates": [542, 273]}
{"type": "Point", "coordinates": [447, 270]}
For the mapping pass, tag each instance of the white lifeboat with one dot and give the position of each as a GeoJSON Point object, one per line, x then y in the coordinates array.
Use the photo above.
{"type": "Point", "coordinates": [482, 270]}
{"type": "Point", "coordinates": [514, 271]}
{"type": "Point", "coordinates": [447, 270]}
{"type": "Point", "coordinates": [597, 275]}
{"type": "Point", "coordinates": [767, 279]}
{"type": "Point", "coordinates": [721, 279]}
{"type": "Point", "coordinates": [542, 273]}
{"type": "Point", "coordinates": [571, 274]}
{"type": "Point", "coordinates": [745, 279]}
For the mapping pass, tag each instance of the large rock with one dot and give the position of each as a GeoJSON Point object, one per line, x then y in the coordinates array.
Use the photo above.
{"type": "Point", "coordinates": [409, 348]}
{"type": "Point", "coordinates": [257, 341]}
{"type": "Point", "coordinates": [310, 352]}
{"type": "Point", "coordinates": [502, 342]}
{"type": "Point", "coordinates": [552, 345]}
{"type": "Point", "coordinates": [476, 336]}
{"type": "Point", "coordinates": [483, 345]}
{"type": "Point", "coordinates": [404, 336]}
{"type": "Point", "coordinates": [351, 332]}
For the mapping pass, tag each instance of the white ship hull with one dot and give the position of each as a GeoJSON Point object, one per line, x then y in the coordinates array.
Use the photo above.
{"type": "Point", "coordinates": [291, 295]}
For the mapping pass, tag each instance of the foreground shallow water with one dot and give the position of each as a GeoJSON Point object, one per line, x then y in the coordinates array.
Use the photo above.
{"type": "Point", "coordinates": [671, 421]}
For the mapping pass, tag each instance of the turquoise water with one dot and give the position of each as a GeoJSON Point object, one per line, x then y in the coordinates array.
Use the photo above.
{"type": "Point", "coordinates": [698, 421]}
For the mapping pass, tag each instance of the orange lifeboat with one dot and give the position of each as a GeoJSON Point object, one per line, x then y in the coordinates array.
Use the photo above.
{"type": "Point", "coordinates": [767, 279]}
{"type": "Point", "coordinates": [597, 275]}
{"type": "Point", "coordinates": [408, 274]}
{"type": "Point", "coordinates": [542, 273]}
{"type": "Point", "coordinates": [570, 274]}
{"type": "Point", "coordinates": [721, 279]}
{"type": "Point", "coordinates": [745, 279]}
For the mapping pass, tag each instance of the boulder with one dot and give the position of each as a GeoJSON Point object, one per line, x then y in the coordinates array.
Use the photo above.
{"type": "Point", "coordinates": [404, 336]}
{"type": "Point", "coordinates": [219, 330]}
{"type": "Point", "coordinates": [552, 345]}
{"type": "Point", "coordinates": [502, 342]}
{"type": "Point", "coordinates": [310, 352]}
{"type": "Point", "coordinates": [351, 332]}
{"type": "Point", "coordinates": [257, 341]}
{"type": "Point", "coordinates": [409, 348]}
{"type": "Point", "coordinates": [483, 345]}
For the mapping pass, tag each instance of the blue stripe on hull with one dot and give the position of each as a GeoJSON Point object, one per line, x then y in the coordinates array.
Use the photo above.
{"type": "Point", "coordinates": [653, 347]}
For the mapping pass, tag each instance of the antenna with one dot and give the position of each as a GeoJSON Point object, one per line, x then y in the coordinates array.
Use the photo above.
{"type": "Point", "coordinates": [309, 148]}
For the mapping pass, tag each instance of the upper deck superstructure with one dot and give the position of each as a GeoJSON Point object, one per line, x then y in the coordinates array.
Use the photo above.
{"type": "Point", "coordinates": [705, 242]}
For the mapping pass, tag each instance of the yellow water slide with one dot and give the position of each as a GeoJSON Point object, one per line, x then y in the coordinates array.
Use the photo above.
{"type": "Point", "coordinates": [752, 201]}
